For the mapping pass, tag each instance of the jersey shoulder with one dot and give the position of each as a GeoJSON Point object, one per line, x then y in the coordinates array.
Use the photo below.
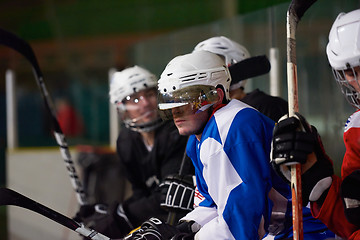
{"type": "Point", "coordinates": [353, 121]}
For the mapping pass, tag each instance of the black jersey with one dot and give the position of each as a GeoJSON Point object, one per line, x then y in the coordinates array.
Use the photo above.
{"type": "Point", "coordinates": [146, 169]}
{"type": "Point", "coordinates": [273, 107]}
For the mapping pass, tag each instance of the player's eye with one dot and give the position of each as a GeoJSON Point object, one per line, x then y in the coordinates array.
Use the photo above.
{"type": "Point", "coordinates": [350, 73]}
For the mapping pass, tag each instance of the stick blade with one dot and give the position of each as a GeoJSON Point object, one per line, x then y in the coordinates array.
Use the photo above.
{"type": "Point", "coordinates": [299, 7]}
{"type": "Point", "coordinates": [10, 197]}
{"type": "Point", "coordinates": [248, 68]}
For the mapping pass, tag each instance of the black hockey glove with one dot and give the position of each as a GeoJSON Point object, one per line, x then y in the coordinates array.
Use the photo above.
{"type": "Point", "coordinates": [177, 193]}
{"type": "Point", "coordinates": [187, 230]}
{"type": "Point", "coordinates": [110, 221]}
{"type": "Point", "coordinates": [153, 229]}
{"type": "Point", "coordinates": [293, 140]}
{"type": "Point", "coordinates": [350, 195]}
{"type": "Point", "coordinates": [88, 210]}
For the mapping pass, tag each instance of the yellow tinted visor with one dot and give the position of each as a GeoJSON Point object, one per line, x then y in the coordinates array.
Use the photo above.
{"type": "Point", "coordinates": [197, 95]}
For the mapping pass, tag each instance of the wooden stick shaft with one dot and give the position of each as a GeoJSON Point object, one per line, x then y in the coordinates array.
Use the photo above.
{"type": "Point", "coordinates": [294, 107]}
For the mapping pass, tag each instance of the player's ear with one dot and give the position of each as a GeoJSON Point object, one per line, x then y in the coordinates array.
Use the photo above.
{"type": "Point", "coordinates": [221, 95]}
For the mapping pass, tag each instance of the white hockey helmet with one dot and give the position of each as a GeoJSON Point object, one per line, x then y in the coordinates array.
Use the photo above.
{"type": "Point", "coordinates": [232, 51]}
{"type": "Point", "coordinates": [193, 79]}
{"type": "Point", "coordinates": [129, 81]}
{"type": "Point", "coordinates": [343, 52]}
{"type": "Point", "coordinates": [133, 84]}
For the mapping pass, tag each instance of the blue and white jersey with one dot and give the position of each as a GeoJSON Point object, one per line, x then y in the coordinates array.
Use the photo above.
{"type": "Point", "coordinates": [233, 174]}
{"type": "Point", "coordinates": [234, 179]}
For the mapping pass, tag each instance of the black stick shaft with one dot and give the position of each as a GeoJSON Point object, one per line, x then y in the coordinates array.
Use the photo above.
{"type": "Point", "coordinates": [11, 197]}
{"type": "Point", "coordinates": [172, 215]}
{"type": "Point", "coordinates": [12, 41]}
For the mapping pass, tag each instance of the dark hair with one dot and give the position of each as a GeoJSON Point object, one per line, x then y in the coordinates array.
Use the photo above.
{"type": "Point", "coordinates": [224, 101]}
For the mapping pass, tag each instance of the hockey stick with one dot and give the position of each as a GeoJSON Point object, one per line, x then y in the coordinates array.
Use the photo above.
{"type": "Point", "coordinates": [12, 41]}
{"type": "Point", "coordinates": [172, 214]}
{"type": "Point", "coordinates": [248, 68]}
{"type": "Point", "coordinates": [10, 197]}
{"type": "Point", "coordinates": [296, 10]}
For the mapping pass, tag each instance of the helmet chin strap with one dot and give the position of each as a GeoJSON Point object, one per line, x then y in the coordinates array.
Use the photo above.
{"type": "Point", "coordinates": [145, 127]}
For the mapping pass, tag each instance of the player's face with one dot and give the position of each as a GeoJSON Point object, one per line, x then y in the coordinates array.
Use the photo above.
{"type": "Point", "coordinates": [141, 107]}
{"type": "Point", "coordinates": [353, 77]}
{"type": "Point", "coordinates": [187, 121]}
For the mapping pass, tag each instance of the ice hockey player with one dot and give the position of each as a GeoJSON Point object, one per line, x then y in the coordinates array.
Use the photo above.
{"type": "Point", "coordinates": [148, 149]}
{"type": "Point", "coordinates": [273, 107]}
{"type": "Point", "coordinates": [228, 144]}
{"type": "Point", "coordinates": [334, 200]}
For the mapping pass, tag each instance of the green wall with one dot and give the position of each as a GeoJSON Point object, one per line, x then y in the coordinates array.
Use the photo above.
{"type": "Point", "coordinates": [35, 20]}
